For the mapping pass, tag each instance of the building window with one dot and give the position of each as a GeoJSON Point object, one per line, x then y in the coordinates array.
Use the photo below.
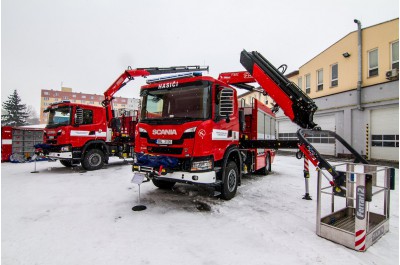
{"type": "Point", "coordinates": [308, 84]}
{"type": "Point", "coordinates": [91, 102]}
{"type": "Point", "coordinates": [320, 80]}
{"type": "Point", "coordinates": [74, 96]}
{"type": "Point", "coordinates": [334, 75]}
{"type": "Point", "coordinates": [65, 98]}
{"type": "Point", "coordinates": [300, 83]}
{"type": "Point", "coordinates": [395, 55]}
{"type": "Point", "coordinates": [56, 94]}
{"type": "Point", "coordinates": [83, 96]}
{"type": "Point", "coordinates": [385, 140]}
{"type": "Point", "coordinates": [46, 98]}
{"type": "Point", "coordinates": [45, 93]}
{"type": "Point", "coordinates": [373, 63]}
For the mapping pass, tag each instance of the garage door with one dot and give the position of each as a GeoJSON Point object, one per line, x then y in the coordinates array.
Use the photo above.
{"type": "Point", "coordinates": [385, 134]}
{"type": "Point", "coordinates": [322, 142]}
{"type": "Point", "coordinates": [286, 130]}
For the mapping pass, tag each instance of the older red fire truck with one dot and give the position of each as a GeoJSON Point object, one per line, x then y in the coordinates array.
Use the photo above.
{"type": "Point", "coordinates": [192, 129]}
{"type": "Point", "coordinates": [89, 135]}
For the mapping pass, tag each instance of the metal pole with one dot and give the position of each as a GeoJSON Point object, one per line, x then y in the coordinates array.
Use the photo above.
{"type": "Point", "coordinates": [35, 171]}
{"type": "Point", "coordinates": [359, 82]}
{"type": "Point", "coordinates": [139, 195]}
{"type": "Point", "coordinates": [306, 179]}
{"type": "Point", "coordinates": [318, 222]}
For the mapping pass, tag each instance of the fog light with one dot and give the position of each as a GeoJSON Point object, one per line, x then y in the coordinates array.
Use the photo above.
{"type": "Point", "coordinates": [66, 148]}
{"type": "Point", "coordinates": [195, 177]}
{"type": "Point", "coordinates": [202, 165]}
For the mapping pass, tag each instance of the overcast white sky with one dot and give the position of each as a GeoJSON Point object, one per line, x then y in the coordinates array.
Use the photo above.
{"type": "Point", "coordinates": [87, 44]}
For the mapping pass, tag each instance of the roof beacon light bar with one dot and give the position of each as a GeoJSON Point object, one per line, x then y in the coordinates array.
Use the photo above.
{"type": "Point", "coordinates": [170, 77]}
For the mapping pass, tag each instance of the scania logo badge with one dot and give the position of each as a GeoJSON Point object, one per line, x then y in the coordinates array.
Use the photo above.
{"type": "Point", "coordinates": [164, 132]}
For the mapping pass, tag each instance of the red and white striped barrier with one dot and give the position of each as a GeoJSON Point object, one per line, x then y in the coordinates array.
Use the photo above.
{"type": "Point", "coordinates": [360, 238]}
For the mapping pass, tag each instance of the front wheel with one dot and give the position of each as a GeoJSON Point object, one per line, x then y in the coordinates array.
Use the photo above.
{"type": "Point", "coordinates": [230, 181]}
{"type": "Point", "coordinates": [93, 159]}
{"type": "Point", "coordinates": [68, 163]}
{"type": "Point", "coordinates": [162, 184]}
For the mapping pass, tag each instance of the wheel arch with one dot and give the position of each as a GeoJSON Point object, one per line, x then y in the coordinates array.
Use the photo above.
{"type": "Point", "coordinates": [232, 154]}
{"type": "Point", "coordinates": [95, 144]}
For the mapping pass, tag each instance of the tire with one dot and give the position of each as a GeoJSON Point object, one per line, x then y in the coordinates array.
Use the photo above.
{"type": "Point", "coordinates": [265, 170]}
{"type": "Point", "coordinates": [162, 184]}
{"type": "Point", "coordinates": [67, 163]}
{"type": "Point", "coordinates": [230, 181]}
{"type": "Point", "coordinates": [93, 159]}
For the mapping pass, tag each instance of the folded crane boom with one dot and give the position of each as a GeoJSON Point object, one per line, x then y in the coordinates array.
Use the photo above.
{"type": "Point", "coordinates": [295, 104]}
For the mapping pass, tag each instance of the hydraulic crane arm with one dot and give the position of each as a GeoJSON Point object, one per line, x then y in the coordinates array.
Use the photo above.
{"type": "Point", "coordinates": [130, 74]}
{"type": "Point", "coordinates": [295, 103]}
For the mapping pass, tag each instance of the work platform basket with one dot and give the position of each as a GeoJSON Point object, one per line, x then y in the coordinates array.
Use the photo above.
{"type": "Point", "coordinates": [364, 203]}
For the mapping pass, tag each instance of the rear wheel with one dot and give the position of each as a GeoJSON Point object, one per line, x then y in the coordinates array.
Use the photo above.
{"type": "Point", "coordinates": [93, 159]}
{"type": "Point", "coordinates": [230, 181]}
{"type": "Point", "coordinates": [162, 184]}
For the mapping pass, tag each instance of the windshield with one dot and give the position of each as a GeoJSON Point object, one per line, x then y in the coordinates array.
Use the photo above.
{"type": "Point", "coordinates": [187, 101]}
{"type": "Point", "coordinates": [58, 116]}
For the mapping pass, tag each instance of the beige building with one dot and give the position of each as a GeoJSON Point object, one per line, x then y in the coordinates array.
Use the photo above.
{"type": "Point", "coordinates": [368, 117]}
{"type": "Point", "coordinates": [335, 70]}
{"type": "Point", "coordinates": [50, 96]}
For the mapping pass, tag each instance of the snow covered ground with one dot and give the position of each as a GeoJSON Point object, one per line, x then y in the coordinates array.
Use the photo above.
{"type": "Point", "coordinates": [67, 216]}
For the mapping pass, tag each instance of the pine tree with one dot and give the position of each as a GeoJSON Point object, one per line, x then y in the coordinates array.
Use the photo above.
{"type": "Point", "coordinates": [16, 111]}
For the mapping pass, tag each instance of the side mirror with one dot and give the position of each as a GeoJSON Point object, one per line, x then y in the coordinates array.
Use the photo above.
{"type": "Point", "coordinates": [226, 103]}
{"type": "Point", "coordinates": [79, 116]}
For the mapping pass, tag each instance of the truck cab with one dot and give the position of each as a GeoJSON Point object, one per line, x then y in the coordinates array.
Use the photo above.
{"type": "Point", "coordinates": [70, 127]}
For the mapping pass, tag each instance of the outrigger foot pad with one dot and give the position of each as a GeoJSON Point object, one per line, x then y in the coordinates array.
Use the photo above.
{"type": "Point", "coordinates": [138, 208]}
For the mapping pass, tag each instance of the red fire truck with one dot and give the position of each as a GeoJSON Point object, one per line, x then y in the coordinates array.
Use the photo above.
{"type": "Point", "coordinates": [89, 135]}
{"type": "Point", "coordinates": [193, 130]}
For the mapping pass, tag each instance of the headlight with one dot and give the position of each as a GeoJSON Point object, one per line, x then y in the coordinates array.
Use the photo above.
{"type": "Point", "coordinates": [202, 165]}
{"type": "Point", "coordinates": [66, 148]}
{"type": "Point", "coordinates": [190, 130]}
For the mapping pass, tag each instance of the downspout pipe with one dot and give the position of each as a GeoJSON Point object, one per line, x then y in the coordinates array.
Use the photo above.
{"type": "Point", "coordinates": [359, 82]}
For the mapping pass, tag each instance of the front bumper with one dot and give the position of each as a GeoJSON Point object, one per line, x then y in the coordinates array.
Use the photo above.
{"type": "Point", "coordinates": [205, 177]}
{"type": "Point", "coordinates": [208, 177]}
{"type": "Point", "coordinates": [63, 155]}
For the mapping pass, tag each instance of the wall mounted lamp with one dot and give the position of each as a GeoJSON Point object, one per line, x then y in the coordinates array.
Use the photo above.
{"type": "Point", "coordinates": [346, 55]}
